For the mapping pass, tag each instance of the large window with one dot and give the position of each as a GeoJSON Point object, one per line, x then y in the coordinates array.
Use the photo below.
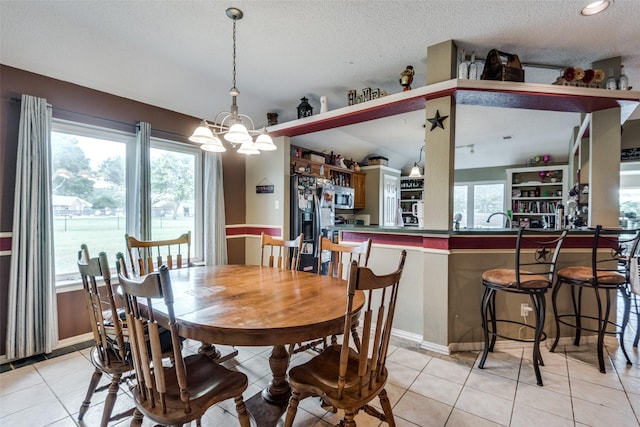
{"type": "Point", "coordinates": [476, 201]}
{"type": "Point", "coordinates": [89, 188]}
{"type": "Point", "coordinates": [173, 192]}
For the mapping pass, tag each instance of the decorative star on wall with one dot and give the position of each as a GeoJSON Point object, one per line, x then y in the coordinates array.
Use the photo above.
{"type": "Point", "coordinates": [437, 121]}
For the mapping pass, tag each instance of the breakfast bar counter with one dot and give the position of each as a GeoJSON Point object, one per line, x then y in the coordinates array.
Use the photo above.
{"type": "Point", "coordinates": [440, 293]}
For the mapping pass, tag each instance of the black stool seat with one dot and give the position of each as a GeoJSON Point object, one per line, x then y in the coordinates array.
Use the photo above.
{"type": "Point", "coordinates": [607, 274]}
{"type": "Point", "coordinates": [536, 255]}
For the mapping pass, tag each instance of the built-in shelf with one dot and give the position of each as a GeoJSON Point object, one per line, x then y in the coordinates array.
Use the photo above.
{"type": "Point", "coordinates": [534, 193]}
{"type": "Point", "coordinates": [411, 189]}
{"type": "Point", "coordinates": [532, 96]}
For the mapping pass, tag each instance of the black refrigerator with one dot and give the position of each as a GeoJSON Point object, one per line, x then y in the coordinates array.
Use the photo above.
{"type": "Point", "coordinates": [312, 212]}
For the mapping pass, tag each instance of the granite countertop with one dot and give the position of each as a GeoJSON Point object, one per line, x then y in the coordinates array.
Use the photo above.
{"type": "Point", "coordinates": [416, 230]}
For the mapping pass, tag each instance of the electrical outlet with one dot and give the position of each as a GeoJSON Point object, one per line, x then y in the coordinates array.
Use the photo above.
{"type": "Point", "coordinates": [525, 309]}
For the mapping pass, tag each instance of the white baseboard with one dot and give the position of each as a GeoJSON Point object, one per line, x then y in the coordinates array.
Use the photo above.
{"type": "Point", "coordinates": [410, 336]}
{"type": "Point", "coordinates": [510, 344]}
{"type": "Point", "coordinates": [436, 348]}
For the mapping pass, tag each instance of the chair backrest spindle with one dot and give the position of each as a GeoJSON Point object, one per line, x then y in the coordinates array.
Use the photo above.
{"type": "Point", "coordinates": [143, 260]}
{"type": "Point", "coordinates": [342, 254]}
{"type": "Point", "coordinates": [281, 253]}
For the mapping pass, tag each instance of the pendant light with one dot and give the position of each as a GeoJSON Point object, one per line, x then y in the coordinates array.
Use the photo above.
{"type": "Point", "coordinates": [231, 125]}
{"type": "Point", "coordinates": [415, 170]}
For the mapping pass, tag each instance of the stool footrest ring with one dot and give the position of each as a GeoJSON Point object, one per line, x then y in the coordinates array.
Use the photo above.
{"type": "Point", "coordinates": [543, 336]}
{"type": "Point", "coordinates": [573, 316]}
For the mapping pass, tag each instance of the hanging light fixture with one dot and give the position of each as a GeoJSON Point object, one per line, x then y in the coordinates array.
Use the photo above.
{"type": "Point", "coordinates": [415, 170]}
{"type": "Point", "coordinates": [230, 125]}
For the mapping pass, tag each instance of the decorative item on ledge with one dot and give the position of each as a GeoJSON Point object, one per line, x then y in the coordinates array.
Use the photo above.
{"type": "Point", "coordinates": [367, 95]}
{"type": "Point", "coordinates": [272, 119]}
{"type": "Point", "coordinates": [406, 78]}
{"type": "Point", "coordinates": [495, 69]}
{"type": "Point", "coordinates": [378, 160]}
{"type": "Point", "coordinates": [304, 108]}
{"type": "Point", "coordinates": [576, 76]}
{"type": "Point", "coordinates": [539, 160]}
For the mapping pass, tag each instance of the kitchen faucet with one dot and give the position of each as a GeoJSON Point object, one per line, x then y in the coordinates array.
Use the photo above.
{"type": "Point", "coordinates": [507, 222]}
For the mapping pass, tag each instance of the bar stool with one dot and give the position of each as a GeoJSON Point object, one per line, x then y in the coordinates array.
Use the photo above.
{"type": "Point", "coordinates": [637, 313]}
{"type": "Point", "coordinates": [535, 259]}
{"type": "Point", "coordinates": [610, 250]}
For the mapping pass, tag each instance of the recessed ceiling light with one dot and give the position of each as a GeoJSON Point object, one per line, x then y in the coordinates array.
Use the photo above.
{"type": "Point", "coordinates": [595, 7]}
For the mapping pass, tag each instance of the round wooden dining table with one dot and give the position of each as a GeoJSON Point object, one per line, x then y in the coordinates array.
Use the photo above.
{"type": "Point", "coordinates": [245, 305]}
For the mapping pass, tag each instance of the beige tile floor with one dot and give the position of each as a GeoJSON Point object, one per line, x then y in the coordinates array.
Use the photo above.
{"type": "Point", "coordinates": [425, 389]}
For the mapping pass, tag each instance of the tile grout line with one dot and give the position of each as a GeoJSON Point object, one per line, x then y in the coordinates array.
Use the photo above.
{"type": "Point", "coordinates": [626, 393]}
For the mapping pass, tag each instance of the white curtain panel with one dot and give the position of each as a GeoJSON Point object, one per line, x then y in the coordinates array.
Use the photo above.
{"type": "Point", "coordinates": [139, 184]}
{"type": "Point", "coordinates": [215, 233]}
{"type": "Point", "coordinates": [32, 323]}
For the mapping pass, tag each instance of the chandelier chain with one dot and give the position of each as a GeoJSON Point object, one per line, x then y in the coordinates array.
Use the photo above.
{"type": "Point", "coordinates": [234, 55]}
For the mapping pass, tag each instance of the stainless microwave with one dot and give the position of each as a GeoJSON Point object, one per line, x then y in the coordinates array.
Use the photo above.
{"type": "Point", "coordinates": [344, 197]}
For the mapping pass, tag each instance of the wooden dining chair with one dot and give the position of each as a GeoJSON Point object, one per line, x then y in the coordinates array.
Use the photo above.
{"type": "Point", "coordinates": [281, 253]}
{"type": "Point", "coordinates": [339, 255]}
{"type": "Point", "coordinates": [109, 354]}
{"type": "Point", "coordinates": [182, 392]}
{"type": "Point", "coordinates": [349, 377]}
{"type": "Point", "coordinates": [342, 254]}
{"type": "Point", "coordinates": [147, 255]}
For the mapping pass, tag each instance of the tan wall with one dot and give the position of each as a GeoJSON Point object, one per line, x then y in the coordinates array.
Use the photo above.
{"type": "Point", "coordinates": [465, 292]}
{"type": "Point", "coordinates": [630, 137]}
{"type": "Point", "coordinates": [270, 210]}
{"type": "Point", "coordinates": [85, 105]}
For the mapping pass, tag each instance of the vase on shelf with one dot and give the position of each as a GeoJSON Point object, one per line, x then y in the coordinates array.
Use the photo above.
{"type": "Point", "coordinates": [463, 70]}
{"type": "Point", "coordinates": [473, 67]}
{"type": "Point", "coordinates": [611, 82]}
{"type": "Point", "coordinates": [623, 80]}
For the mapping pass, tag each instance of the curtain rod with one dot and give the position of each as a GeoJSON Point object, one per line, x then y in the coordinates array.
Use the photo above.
{"type": "Point", "coordinates": [166, 132]}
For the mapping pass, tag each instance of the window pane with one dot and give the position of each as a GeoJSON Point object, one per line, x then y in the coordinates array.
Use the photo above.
{"type": "Point", "coordinates": [488, 199]}
{"type": "Point", "coordinates": [88, 197]}
{"type": "Point", "coordinates": [172, 193]}
{"type": "Point", "coordinates": [460, 197]}
{"type": "Point", "coordinates": [629, 208]}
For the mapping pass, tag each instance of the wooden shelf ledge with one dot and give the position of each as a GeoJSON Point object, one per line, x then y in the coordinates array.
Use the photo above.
{"type": "Point", "coordinates": [533, 96]}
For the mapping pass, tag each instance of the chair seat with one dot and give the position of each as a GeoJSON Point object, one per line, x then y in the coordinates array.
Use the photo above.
{"type": "Point", "coordinates": [507, 278]}
{"type": "Point", "coordinates": [114, 367]}
{"type": "Point", "coordinates": [585, 274]}
{"type": "Point", "coordinates": [319, 374]}
{"type": "Point", "coordinates": [204, 390]}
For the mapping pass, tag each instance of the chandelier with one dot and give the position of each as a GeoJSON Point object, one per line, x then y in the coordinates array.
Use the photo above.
{"type": "Point", "coordinates": [231, 125]}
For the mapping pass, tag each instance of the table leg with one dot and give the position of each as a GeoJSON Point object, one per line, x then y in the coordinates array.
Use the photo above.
{"type": "Point", "coordinates": [211, 351]}
{"type": "Point", "coordinates": [268, 406]}
{"type": "Point", "coordinates": [278, 391]}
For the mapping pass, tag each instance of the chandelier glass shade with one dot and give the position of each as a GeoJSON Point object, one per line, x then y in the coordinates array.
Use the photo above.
{"type": "Point", "coordinates": [235, 128]}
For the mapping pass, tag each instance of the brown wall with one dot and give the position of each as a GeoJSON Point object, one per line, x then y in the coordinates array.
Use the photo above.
{"type": "Point", "coordinates": [84, 105]}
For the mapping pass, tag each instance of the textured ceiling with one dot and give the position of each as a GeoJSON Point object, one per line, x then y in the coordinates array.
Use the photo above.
{"type": "Point", "coordinates": [177, 54]}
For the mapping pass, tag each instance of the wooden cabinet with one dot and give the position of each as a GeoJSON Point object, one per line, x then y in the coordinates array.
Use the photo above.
{"type": "Point", "coordinates": [358, 181]}
{"type": "Point", "coordinates": [383, 194]}
{"type": "Point", "coordinates": [533, 193]}
{"type": "Point", "coordinates": [339, 176]}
